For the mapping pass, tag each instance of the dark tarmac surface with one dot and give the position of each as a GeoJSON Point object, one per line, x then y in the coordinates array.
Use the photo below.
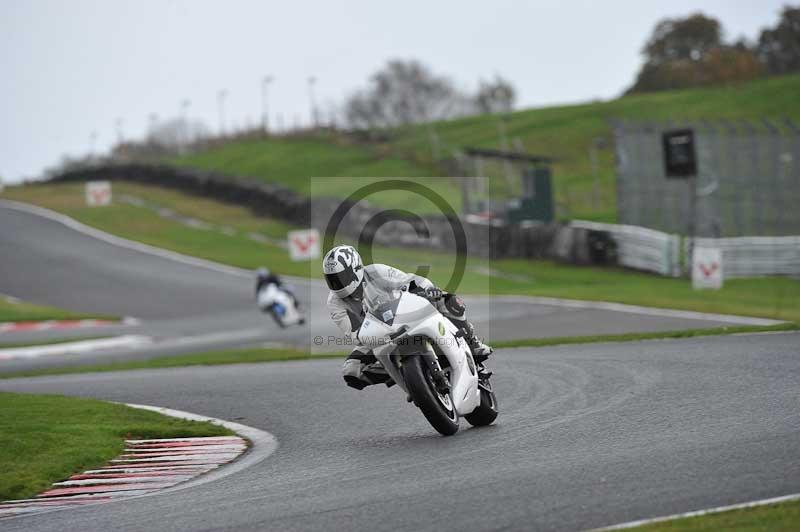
{"type": "Point", "coordinates": [189, 307]}
{"type": "Point", "coordinates": [588, 435]}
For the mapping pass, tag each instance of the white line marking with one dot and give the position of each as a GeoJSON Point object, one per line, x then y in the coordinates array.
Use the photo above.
{"type": "Point", "coordinates": [698, 513]}
{"type": "Point", "coordinates": [212, 458]}
{"type": "Point", "coordinates": [635, 309]}
{"type": "Point", "coordinates": [124, 242]}
{"type": "Point", "coordinates": [117, 470]}
{"type": "Point", "coordinates": [29, 326]}
{"type": "Point", "coordinates": [241, 272]}
{"type": "Point", "coordinates": [765, 333]}
{"type": "Point", "coordinates": [219, 337]}
{"type": "Point", "coordinates": [128, 480]}
{"type": "Point", "coordinates": [65, 325]}
{"type": "Point", "coordinates": [199, 452]}
{"type": "Point", "coordinates": [220, 447]}
{"type": "Point", "coordinates": [136, 342]}
{"type": "Point", "coordinates": [197, 439]}
{"type": "Point", "coordinates": [25, 509]}
{"type": "Point", "coordinates": [71, 348]}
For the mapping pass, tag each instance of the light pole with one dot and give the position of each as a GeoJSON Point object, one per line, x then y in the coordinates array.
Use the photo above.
{"type": "Point", "coordinates": [118, 124]}
{"type": "Point", "coordinates": [184, 129]}
{"type": "Point", "coordinates": [311, 82]}
{"type": "Point", "coordinates": [92, 142]}
{"type": "Point", "coordinates": [221, 96]}
{"type": "Point", "coordinates": [265, 102]}
{"type": "Point", "coordinates": [152, 123]}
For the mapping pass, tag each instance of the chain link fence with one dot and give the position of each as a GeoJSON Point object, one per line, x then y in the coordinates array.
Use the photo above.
{"type": "Point", "coordinates": [748, 181]}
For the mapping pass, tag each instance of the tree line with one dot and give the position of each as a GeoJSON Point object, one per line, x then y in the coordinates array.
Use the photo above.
{"type": "Point", "coordinates": [407, 92]}
{"type": "Point", "coordinates": [692, 52]}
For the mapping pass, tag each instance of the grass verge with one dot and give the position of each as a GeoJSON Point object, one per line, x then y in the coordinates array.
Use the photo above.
{"type": "Point", "coordinates": [212, 358]}
{"type": "Point", "coordinates": [773, 297]}
{"type": "Point", "coordinates": [47, 438]}
{"type": "Point", "coordinates": [781, 517]}
{"type": "Point", "coordinates": [634, 337]}
{"type": "Point", "coordinates": [254, 355]}
{"type": "Point", "coordinates": [14, 310]}
{"type": "Point", "coordinates": [56, 341]}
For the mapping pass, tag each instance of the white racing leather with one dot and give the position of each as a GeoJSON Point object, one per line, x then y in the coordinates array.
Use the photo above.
{"type": "Point", "coordinates": [348, 314]}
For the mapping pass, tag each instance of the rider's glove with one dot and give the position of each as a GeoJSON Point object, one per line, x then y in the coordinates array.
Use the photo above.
{"type": "Point", "coordinates": [433, 293]}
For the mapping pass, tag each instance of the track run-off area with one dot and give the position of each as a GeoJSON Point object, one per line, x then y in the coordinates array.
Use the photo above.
{"type": "Point", "coordinates": [588, 435]}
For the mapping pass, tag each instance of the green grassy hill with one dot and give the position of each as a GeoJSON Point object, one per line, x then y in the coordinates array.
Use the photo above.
{"type": "Point", "coordinates": [564, 132]}
{"type": "Point", "coordinates": [320, 165]}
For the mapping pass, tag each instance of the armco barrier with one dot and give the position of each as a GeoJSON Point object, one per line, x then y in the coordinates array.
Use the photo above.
{"type": "Point", "coordinates": [655, 251]}
{"type": "Point", "coordinates": [263, 198]}
{"type": "Point", "coordinates": [641, 248]}
{"type": "Point", "coordinates": [529, 240]}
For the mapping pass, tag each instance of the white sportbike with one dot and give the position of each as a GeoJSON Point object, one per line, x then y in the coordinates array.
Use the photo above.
{"type": "Point", "coordinates": [426, 356]}
{"type": "Point", "coordinates": [281, 305]}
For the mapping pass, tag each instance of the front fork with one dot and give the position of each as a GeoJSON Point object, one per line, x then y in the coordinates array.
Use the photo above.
{"type": "Point", "coordinates": [438, 376]}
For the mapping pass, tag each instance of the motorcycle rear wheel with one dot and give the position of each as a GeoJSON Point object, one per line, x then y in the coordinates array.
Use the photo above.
{"type": "Point", "coordinates": [437, 408]}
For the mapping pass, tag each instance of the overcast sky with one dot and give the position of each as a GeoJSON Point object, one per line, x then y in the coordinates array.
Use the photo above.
{"type": "Point", "coordinates": [68, 68]}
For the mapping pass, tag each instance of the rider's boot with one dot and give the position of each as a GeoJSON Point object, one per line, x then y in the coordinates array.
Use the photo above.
{"type": "Point", "coordinates": [359, 372]}
{"type": "Point", "coordinates": [453, 307]}
{"type": "Point", "coordinates": [483, 373]}
{"type": "Point", "coordinates": [480, 351]}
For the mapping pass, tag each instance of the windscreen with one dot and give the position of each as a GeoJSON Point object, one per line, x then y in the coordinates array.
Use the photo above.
{"type": "Point", "coordinates": [375, 296]}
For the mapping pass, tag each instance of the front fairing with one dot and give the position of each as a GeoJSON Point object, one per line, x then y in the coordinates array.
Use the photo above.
{"type": "Point", "coordinates": [387, 313]}
{"type": "Point", "coordinates": [414, 317]}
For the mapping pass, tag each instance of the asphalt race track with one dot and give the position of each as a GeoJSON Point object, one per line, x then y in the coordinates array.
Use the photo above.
{"type": "Point", "coordinates": [588, 435]}
{"type": "Point", "coordinates": [186, 307]}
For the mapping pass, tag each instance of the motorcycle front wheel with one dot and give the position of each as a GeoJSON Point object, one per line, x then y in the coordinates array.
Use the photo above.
{"type": "Point", "coordinates": [437, 408]}
{"type": "Point", "coordinates": [277, 318]}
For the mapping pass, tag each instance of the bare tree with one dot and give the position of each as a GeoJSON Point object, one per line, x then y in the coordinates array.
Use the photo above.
{"type": "Point", "coordinates": [496, 96]}
{"type": "Point", "coordinates": [176, 133]}
{"type": "Point", "coordinates": [405, 92]}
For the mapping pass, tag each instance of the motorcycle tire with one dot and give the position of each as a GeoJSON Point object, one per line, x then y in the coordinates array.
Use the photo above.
{"type": "Point", "coordinates": [437, 409]}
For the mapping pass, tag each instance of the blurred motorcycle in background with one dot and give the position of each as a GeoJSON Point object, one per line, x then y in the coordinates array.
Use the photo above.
{"type": "Point", "coordinates": [277, 299]}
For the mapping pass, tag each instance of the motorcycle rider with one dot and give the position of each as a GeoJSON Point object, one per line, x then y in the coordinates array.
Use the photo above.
{"type": "Point", "coordinates": [347, 277]}
{"type": "Point", "coordinates": [264, 278]}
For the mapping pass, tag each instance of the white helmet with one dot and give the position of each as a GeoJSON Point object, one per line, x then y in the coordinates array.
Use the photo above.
{"type": "Point", "coordinates": [343, 270]}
